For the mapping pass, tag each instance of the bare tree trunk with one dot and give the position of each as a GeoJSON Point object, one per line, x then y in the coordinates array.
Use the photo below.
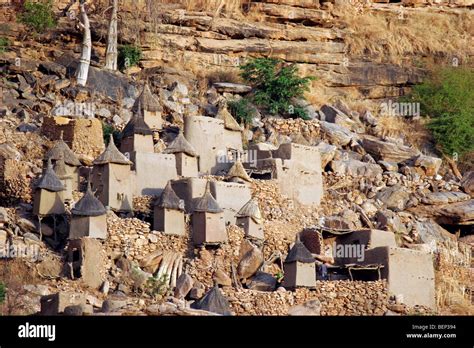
{"type": "Point", "coordinates": [111, 55]}
{"type": "Point", "coordinates": [84, 63]}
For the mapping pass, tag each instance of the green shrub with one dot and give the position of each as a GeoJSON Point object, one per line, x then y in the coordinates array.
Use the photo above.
{"type": "Point", "coordinates": [447, 98]}
{"type": "Point", "coordinates": [3, 292]}
{"type": "Point", "coordinates": [157, 287]}
{"type": "Point", "coordinates": [4, 43]}
{"type": "Point", "coordinates": [128, 56]}
{"type": "Point", "coordinates": [242, 110]}
{"type": "Point", "coordinates": [276, 85]}
{"type": "Point", "coordinates": [108, 129]}
{"type": "Point", "coordinates": [38, 15]}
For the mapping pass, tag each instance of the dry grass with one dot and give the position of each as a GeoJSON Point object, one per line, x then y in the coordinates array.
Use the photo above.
{"type": "Point", "coordinates": [217, 7]}
{"type": "Point", "coordinates": [453, 280]}
{"type": "Point", "coordinates": [320, 94]}
{"type": "Point", "coordinates": [413, 132]}
{"type": "Point", "coordinates": [15, 274]}
{"type": "Point", "coordinates": [390, 37]}
{"type": "Point", "coordinates": [223, 75]}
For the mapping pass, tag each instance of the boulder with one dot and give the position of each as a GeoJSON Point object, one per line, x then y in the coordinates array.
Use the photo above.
{"type": "Point", "coordinates": [388, 166]}
{"type": "Point", "coordinates": [115, 86]}
{"type": "Point", "coordinates": [250, 262]}
{"type": "Point", "coordinates": [53, 68]}
{"type": "Point", "coordinates": [469, 240]}
{"type": "Point", "coordinates": [112, 304]}
{"type": "Point", "coordinates": [394, 197]}
{"type": "Point", "coordinates": [74, 310]}
{"type": "Point", "coordinates": [333, 115]}
{"type": "Point", "coordinates": [228, 87]}
{"type": "Point", "coordinates": [197, 291]}
{"type": "Point", "coordinates": [262, 281]}
{"type": "Point", "coordinates": [3, 240]}
{"type": "Point", "coordinates": [449, 214]}
{"type": "Point", "coordinates": [429, 164]}
{"type": "Point", "coordinates": [336, 134]}
{"type": "Point", "coordinates": [327, 153]}
{"type": "Point", "coordinates": [50, 267]}
{"type": "Point", "coordinates": [221, 278]}
{"type": "Point", "coordinates": [460, 212]}
{"type": "Point", "coordinates": [368, 118]}
{"type": "Point", "coordinates": [340, 222]}
{"type": "Point", "coordinates": [444, 197]}
{"type": "Point", "coordinates": [390, 221]}
{"type": "Point", "coordinates": [214, 301]}
{"type": "Point", "coordinates": [184, 284]}
{"type": "Point", "coordinates": [355, 168]}
{"type": "Point", "coordinates": [8, 151]}
{"type": "Point", "coordinates": [388, 151]}
{"type": "Point", "coordinates": [429, 231]}
{"type": "Point", "coordinates": [178, 91]}
{"type": "Point", "coordinates": [4, 219]}
{"type": "Point", "coordinates": [467, 183]}
{"type": "Point", "coordinates": [105, 287]}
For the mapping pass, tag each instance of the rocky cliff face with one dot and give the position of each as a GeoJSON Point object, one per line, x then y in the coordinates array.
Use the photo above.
{"type": "Point", "coordinates": [315, 36]}
{"type": "Point", "coordinates": [318, 36]}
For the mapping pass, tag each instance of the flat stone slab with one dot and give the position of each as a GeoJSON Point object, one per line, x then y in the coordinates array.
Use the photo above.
{"type": "Point", "coordinates": [231, 87]}
{"type": "Point", "coordinates": [459, 213]}
{"type": "Point", "coordinates": [444, 197]}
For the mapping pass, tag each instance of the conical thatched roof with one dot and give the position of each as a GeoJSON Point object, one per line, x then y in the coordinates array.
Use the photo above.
{"type": "Point", "coordinates": [214, 301]}
{"type": "Point", "coordinates": [59, 149]}
{"type": "Point", "coordinates": [88, 205]}
{"type": "Point", "coordinates": [146, 101]}
{"type": "Point", "coordinates": [251, 210]}
{"type": "Point", "coordinates": [229, 121]}
{"type": "Point", "coordinates": [60, 169]}
{"type": "Point", "coordinates": [136, 125]}
{"type": "Point", "coordinates": [299, 253]}
{"type": "Point", "coordinates": [49, 180]}
{"type": "Point", "coordinates": [111, 155]}
{"type": "Point", "coordinates": [169, 199]}
{"type": "Point", "coordinates": [181, 145]}
{"type": "Point", "coordinates": [207, 203]}
{"type": "Point", "coordinates": [238, 171]}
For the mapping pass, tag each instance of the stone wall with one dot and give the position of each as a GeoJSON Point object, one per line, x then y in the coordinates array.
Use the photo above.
{"type": "Point", "coordinates": [14, 181]}
{"type": "Point", "coordinates": [336, 297]}
{"type": "Point", "coordinates": [84, 136]}
{"type": "Point", "coordinates": [299, 130]}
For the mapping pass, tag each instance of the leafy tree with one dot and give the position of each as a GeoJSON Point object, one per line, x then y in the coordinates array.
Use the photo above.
{"type": "Point", "coordinates": [242, 110]}
{"type": "Point", "coordinates": [38, 15]}
{"type": "Point", "coordinates": [276, 85]}
{"type": "Point", "coordinates": [4, 43]}
{"type": "Point", "coordinates": [447, 97]}
{"type": "Point", "coordinates": [3, 292]}
{"type": "Point", "coordinates": [108, 129]}
{"type": "Point", "coordinates": [129, 55]}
